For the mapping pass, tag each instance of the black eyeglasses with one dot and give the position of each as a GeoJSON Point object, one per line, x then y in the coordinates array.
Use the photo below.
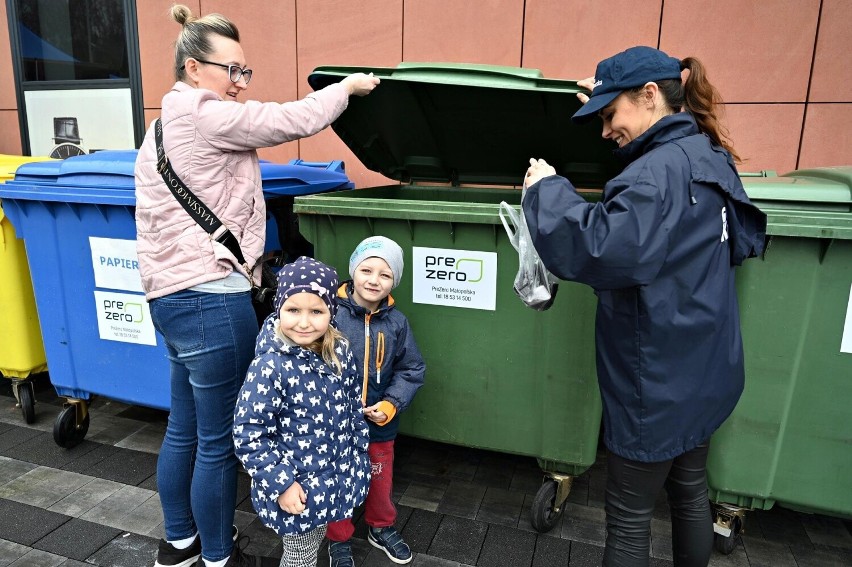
{"type": "Point", "coordinates": [235, 73]}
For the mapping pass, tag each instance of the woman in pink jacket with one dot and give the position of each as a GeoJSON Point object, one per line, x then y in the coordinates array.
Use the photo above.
{"type": "Point", "coordinates": [199, 294]}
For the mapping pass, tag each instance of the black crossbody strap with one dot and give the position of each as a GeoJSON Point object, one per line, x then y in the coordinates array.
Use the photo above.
{"type": "Point", "coordinates": [195, 208]}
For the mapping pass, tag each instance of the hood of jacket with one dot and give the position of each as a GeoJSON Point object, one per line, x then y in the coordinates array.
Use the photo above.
{"type": "Point", "coordinates": [747, 224]}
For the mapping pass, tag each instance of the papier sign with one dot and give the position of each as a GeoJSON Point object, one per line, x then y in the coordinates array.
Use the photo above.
{"type": "Point", "coordinates": [115, 264]}
{"type": "Point", "coordinates": [456, 278]}
{"type": "Point", "coordinates": [124, 317]}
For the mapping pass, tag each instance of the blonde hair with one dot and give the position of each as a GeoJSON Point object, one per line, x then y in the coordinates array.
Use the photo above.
{"type": "Point", "coordinates": [325, 347]}
{"type": "Point", "coordinates": [194, 38]}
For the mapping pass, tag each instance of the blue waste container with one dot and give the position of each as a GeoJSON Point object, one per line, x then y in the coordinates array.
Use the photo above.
{"type": "Point", "coordinates": [76, 218]}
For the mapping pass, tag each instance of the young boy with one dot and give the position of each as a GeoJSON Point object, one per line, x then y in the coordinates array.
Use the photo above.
{"type": "Point", "coordinates": [383, 345]}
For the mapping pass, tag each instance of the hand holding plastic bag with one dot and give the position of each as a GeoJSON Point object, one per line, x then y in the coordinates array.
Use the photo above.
{"type": "Point", "coordinates": [535, 285]}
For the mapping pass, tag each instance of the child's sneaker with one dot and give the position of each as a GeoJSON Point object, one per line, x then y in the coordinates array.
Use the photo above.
{"type": "Point", "coordinates": [240, 558]}
{"type": "Point", "coordinates": [340, 554]}
{"type": "Point", "coordinates": [170, 556]}
{"type": "Point", "coordinates": [389, 541]}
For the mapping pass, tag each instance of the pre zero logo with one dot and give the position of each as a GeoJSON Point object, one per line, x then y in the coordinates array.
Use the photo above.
{"type": "Point", "coordinates": [449, 268]}
{"type": "Point", "coordinates": [454, 277]}
{"type": "Point", "coordinates": [124, 317]}
{"type": "Point", "coordinates": [123, 311]}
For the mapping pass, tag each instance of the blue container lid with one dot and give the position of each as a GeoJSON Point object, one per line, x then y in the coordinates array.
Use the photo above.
{"type": "Point", "coordinates": [106, 177]}
{"type": "Point", "coordinates": [299, 177]}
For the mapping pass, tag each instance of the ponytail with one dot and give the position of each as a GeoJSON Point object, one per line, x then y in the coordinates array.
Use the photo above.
{"type": "Point", "coordinates": [704, 102]}
{"type": "Point", "coordinates": [701, 99]}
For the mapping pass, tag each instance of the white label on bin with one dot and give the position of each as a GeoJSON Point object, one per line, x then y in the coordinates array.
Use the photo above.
{"type": "Point", "coordinates": [456, 278]}
{"type": "Point", "coordinates": [846, 340]}
{"type": "Point", "coordinates": [124, 317]}
{"type": "Point", "coordinates": [115, 263]}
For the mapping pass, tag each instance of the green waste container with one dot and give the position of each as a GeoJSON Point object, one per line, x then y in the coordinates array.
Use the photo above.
{"type": "Point", "coordinates": [789, 440]}
{"type": "Point", "coordinates": [500, 376]}
{"type": "Point", "coordinates": [21, 346]}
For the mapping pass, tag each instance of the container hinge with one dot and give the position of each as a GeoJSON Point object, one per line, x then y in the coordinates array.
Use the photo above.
{"type": "Point", "coordinates": [370, 224]}
{"type": "Point", "coordinates": [331, 224]}
{"type": "Point", "coordinates": [410, 229]}
{"type": "Point", "coordinates": [75, 211]}
{"type": "Point", "coordinates": [825, 244]}
{"type": "Point", "coordinates": [103, 211]}
{"type": "Point", "coordinates": [766, 245]}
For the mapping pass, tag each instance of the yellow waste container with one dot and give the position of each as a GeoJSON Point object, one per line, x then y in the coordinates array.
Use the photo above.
{"type": "Point", "coordinates": [21, 347]}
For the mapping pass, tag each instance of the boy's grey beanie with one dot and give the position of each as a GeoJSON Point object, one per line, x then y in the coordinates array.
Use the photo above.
{"type": "Point", "coordinates": [379, 247]}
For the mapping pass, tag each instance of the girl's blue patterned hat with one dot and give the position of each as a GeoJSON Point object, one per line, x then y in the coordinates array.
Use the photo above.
{"type": "Point", "coordinates": [307, 275]}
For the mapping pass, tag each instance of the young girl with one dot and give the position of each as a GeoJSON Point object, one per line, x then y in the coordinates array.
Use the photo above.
{"type": "Point", "coordinates": [299, 427]}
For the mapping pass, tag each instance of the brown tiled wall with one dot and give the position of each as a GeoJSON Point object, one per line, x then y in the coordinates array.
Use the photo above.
{"type": "Point", "coordinates": [784, 67]}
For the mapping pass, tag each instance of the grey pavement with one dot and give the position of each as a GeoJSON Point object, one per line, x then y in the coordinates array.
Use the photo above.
{"type": "Point", "coordinates": [97, 504]}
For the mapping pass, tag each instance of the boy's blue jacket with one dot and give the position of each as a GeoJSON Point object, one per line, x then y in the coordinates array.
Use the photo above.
{"type": "Point", "coordinates": [402, 370]}
{"type": "Point", "coordinates": [660, 250]}
{"type": "Point", "coordinates": [296, 419]}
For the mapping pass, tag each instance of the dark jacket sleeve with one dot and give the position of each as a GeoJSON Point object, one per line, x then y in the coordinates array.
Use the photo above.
{"type": "Point", "coordinates": [408, 370]}
{"type": "Point", "coordinates": [616, 243]}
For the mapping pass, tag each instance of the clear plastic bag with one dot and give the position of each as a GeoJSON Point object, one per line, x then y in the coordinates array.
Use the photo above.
{"type": "Point", "coordinates": [534, 284]}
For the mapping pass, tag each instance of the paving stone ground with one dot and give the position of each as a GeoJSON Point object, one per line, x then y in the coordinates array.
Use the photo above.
{"type": "Point", "coordinates": [97, 504]}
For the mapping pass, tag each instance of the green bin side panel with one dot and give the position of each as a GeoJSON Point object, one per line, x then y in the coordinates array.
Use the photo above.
{"type": "Point", "coordinates": [511, 380]}
{"type": "Point", "coordinates": [789, 440]}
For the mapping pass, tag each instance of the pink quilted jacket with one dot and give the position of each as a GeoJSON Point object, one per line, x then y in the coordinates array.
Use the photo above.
{"type": "Point", "coordinates": [211, 144]}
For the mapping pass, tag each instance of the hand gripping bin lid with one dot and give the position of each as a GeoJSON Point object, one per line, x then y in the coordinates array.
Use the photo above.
{"type": "Point", "coordinates": [21, 348]}
{"type": "Point", "coordinates": [788, 439]}
{"type": "Point", "coordinates": [499, 375]}
{"type": "Point", "coordinates": [76, 218]}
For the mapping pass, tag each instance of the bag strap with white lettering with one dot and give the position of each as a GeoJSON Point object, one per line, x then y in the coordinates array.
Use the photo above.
{"type": "Point", "coordinates": [191, 204]}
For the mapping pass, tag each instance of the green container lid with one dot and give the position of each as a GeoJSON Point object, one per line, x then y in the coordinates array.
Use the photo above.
{"type": "Point", "coordinates": [480, 124]}
{"type": "Point", "coordinates": [813, 203]}
{"type": "Point", "coordinates": [469, 125]}
{"type": "Point", "coordinates": [827, 189]}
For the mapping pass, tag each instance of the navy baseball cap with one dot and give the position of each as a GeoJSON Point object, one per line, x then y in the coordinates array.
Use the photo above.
{"type": "Point", "coordinates": [626, 70]}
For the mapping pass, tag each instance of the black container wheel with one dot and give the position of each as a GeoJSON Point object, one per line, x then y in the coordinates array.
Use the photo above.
{"type": "Point", "coordinates": [726, 544]}
{"type": "Point", "coordinates": [542, 516]}
{"type": "Point", "coordinates": [66, 432]}
{"type": "Point", "coordinates": [26, 397]}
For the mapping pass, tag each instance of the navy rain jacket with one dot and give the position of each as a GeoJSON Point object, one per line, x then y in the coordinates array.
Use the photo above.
{"type": "Point", "coordinates": [660, 250]}
{"type": "Point", "coordinates": [402, 370]}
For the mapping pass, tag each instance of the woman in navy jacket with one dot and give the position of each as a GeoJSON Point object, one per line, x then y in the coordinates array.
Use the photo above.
{"type": "Point", "coordinates": [660, 250]}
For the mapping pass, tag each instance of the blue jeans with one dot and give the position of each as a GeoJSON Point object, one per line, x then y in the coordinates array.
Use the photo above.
{"type": "Point", "coordinates": [210, 339]}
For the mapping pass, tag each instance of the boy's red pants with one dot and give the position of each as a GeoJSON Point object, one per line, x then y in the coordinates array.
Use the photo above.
{"type": "Point", "coordinates": [379, 511]}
